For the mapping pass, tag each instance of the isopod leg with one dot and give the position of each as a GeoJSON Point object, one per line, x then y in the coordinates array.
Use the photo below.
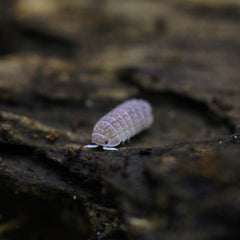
{"type": "Point", "coordinates": [110, 149]}
{"type": "Point", "coordinates": [91, 146]}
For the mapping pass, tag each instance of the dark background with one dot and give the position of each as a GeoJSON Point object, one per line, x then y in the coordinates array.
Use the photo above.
{"type": "Point", "coordinates": [64, 64]}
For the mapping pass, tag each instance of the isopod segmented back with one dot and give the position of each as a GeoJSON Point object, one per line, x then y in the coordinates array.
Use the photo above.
{"type": "Point", "coordinates": [123, 122]}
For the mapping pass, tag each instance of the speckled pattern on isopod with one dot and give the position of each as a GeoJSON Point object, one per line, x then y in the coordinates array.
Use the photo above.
{"type": "Point", "coordinates": [122, 123]}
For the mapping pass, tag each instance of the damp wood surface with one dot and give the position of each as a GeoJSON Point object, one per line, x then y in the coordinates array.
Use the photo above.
{"type": "Point", "coordinates": [64, 65]}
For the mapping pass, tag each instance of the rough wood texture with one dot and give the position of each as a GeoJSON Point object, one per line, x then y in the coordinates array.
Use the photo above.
{"type": "Point", "coordinates": [64, 65]}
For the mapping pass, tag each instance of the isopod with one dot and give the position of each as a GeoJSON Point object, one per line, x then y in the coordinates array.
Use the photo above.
{"type": "Point", "coordinates": [122, 123]}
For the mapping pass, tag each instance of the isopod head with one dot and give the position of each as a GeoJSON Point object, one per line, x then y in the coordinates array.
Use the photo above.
{"type": "Point", "coordinates": [106, 141]}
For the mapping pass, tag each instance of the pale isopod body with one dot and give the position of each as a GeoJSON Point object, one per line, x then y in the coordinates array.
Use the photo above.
{"type": "Point", "coordinates": [123, 122]}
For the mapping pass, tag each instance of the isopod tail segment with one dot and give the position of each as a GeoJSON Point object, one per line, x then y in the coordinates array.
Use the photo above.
{"type": "Point", "coordinates": [104, 148]}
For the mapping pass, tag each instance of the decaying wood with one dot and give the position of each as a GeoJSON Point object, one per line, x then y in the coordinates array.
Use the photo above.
{"type": "Point", "coordinates": [177, 180]}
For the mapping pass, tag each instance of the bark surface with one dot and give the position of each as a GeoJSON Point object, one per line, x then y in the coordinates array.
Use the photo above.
{"type": "Point", "coordinates": [64, 65]}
